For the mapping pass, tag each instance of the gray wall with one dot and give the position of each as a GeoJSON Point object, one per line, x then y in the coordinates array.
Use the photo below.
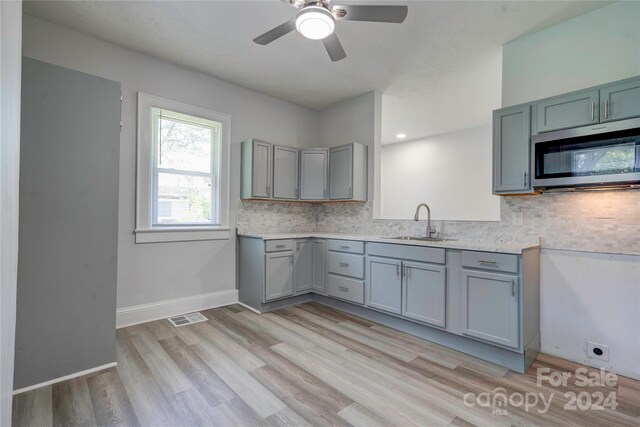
{"type": "Point", "coordinates": [354, 120]}
{"type": "Point", "coordinates": [68, 223]}
{"type": "Point", "coordinates": [10, 52]}
{"type": "Point", "coordinates": [150, 273]}
{"type": "Point", "coordinates": [596, 48]}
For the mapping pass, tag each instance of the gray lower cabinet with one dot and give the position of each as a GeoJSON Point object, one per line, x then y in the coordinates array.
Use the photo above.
{"type": "Point", "coordinates": [257, 169]}
{"type": "Point", "coordinates": [314, 170]}
{"type": "Point", "coordinates": [303, 266]}
{"type": "Point", "coordinates": [567, 111]}
{"type": "Point", "coordinates": [424, 292]}
{"type": "Point", "coordinates": [384, 284]}
{"type": "Point", "coordinates": [319, 282]}
{"type": "Point", "coordinates": [285, 172]}
{"type": "Point", "coordinates": [489, 303]}
{"type": "Point", "coordinates": [279, 275]}
{"type": "Point", "coordinates": [621, 100]}
{"type": "Point", "coordinates": [348, 172]}
{"type": "Point", "coordinates": [511, 150]}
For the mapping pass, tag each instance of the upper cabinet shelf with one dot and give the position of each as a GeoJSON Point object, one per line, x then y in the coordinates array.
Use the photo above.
{"type": "Point", "coordinates": [276, 172]}
{"type": "Point", "coordinates": [513, 126]}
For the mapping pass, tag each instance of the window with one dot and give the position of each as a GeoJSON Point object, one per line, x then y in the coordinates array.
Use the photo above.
{"type": "Point", "coordinates": [183, 154]}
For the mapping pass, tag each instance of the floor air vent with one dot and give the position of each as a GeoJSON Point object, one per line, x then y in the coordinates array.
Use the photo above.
{"type": "Point", "coordinates": [186, 319]}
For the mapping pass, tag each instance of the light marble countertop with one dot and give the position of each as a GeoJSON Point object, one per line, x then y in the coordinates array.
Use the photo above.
{"type": "Point", "coordinates": [486, 246]}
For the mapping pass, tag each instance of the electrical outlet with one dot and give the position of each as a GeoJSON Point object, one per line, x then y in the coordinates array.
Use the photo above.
{"type": "Point", "coordinates": [597, 351]}
{"type": "Point", "coordinates": [517, 218]}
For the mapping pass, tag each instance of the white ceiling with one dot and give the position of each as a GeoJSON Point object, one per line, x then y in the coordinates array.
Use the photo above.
{"type": "Point", "coordinates": [439, 71]}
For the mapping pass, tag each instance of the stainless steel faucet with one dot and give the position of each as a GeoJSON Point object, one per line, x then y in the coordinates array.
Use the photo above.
{"type": "Point", "coordinates": [430, 231]}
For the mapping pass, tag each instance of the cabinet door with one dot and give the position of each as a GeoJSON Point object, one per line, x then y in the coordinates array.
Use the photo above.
{"type": "Point", "coordinates": [490, 307]}
{"type": "Point", "coordinates": [511, 150]}
{"type": "Point", "coordinates": [279, 275]}
{"type": "Point", "coordinates": [620, 101]}
{"type": "Point", "coordinates": [313, 174]}
{"type": "Point", "coordinates": [285, 172]}
{"type": "Point", "coordinates": [567, 111]}
{"type": "Point", "coordinates": [424, 292]}
{"type": "Point", "coordinates": [261, 169]}
{"type": "Point", "coordinates": [303, 266]}
{"type": "Point", "coordinates": [384, 284]}
{"type": "Point", "coordinates": [319, 266]}
{"type": "Point", "coordinates": [341, 173]}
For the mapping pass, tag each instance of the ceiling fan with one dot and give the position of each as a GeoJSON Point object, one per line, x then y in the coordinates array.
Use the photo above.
{"type": "Point", "coordinates": [316, 21]}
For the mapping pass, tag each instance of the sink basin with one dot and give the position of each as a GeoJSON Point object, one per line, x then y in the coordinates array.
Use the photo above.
{"type": "Point", "coordinates": [421, 239]}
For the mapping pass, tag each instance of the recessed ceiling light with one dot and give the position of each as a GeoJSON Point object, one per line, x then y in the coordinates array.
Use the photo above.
{"type": "Point", "coordinates": [315, 22]}
{"type": "Point", "coordinates": [401, 135]}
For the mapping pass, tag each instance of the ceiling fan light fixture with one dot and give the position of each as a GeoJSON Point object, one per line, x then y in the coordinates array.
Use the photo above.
{"type": "Point", "coordinates": [315, 22]}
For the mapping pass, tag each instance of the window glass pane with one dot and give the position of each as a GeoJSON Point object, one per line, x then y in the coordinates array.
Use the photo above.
{"type": "Point", "coordinates": [184, 146]}
{"type": "Point", "coordinates": [183, 199]}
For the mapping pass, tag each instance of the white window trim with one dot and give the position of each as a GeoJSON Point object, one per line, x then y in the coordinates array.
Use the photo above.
{"type": "Point", "coordinates": [144, 231]}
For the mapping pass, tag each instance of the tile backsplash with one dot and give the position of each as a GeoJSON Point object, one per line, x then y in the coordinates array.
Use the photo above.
{"type": "Point", "coordinates": [591, 221]}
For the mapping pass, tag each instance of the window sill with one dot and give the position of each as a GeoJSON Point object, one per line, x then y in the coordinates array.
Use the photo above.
{"type": "Point", "coordinates": [181, 234]}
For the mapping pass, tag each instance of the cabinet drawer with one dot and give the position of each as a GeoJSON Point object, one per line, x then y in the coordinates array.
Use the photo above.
{"type": "Point", "coordinates": [490, 261]}
{"type": "Point", "coordinates": [346, 246]}
{"type": "Point", "coordinates": [345, 288]}
{"type": "Point", "coordinates": [278, 245]}
{"type": "Point", "coordinates": [346, 264]}
{"type": "Point", "coordinates": [408, 252]}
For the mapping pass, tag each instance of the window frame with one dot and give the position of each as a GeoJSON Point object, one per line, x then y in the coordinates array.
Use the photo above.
{"type": "Point", "coordinates": [146, 231]}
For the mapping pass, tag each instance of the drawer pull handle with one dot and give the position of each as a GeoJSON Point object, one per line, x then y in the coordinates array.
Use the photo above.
{"type": "Point", "coordinates": [513, 288]}
{"type": "Point", "coordinates": [343, 289]}
{"type": "Point", "coordinates": [279, 246]}
{"type": "Point", "coordinates": [345, 247]}
{"type": "Point", "coordinates": [487, 262]}
{"type": "Point", "coordinates": [344, 264]}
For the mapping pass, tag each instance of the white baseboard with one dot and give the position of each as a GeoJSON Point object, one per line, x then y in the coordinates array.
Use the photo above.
{"type": "Point", "coordinates": [241, 304]}
{"type": "Point", "coordinates": [66, 377]}
{"type": "Point", "coordinates": [142, 313]}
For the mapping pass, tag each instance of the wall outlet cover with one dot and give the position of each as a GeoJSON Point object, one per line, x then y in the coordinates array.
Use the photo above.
{"type": "Point", "coordinates": [597, 351]}
{"type": "Point", "coordinates": [517, 218]}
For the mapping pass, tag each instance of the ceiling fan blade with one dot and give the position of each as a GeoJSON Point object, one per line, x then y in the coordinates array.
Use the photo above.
{"type": "Point", "coordinates": [334, 47]}
{"type": "Point", "coordinates": [276, 33]}
{"type": "Point", "coordinates": [392, 14]}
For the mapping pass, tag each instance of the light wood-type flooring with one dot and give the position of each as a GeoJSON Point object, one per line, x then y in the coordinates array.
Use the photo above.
{"type": "Point", "coordinates": [304, 365]}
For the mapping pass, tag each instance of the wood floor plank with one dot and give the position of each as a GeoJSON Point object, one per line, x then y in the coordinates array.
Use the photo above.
{"type": "Point", "coordinates": [207, 382]}
{"type": "Point", "coordinates": [71, 404]}
{"type": "Point", "coordinates": [359, 416]}
{"type": "Point", "coordinates": [33, 408]}
{"type": "Point", "coordinates": [305, 365]}
{"type": "Point", "coordinates": [109, 399]}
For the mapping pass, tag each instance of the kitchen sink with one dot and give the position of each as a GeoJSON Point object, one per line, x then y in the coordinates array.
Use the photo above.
{"type": "Point", "coordinates": [421, 239]}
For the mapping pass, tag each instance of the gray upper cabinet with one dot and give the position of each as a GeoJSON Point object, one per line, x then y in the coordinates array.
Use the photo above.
{"type": "Point", "coordinates": [348, 172]}
{"type": "Point", "coordinates": [567, 111]}
{"type": "Point", "coordinates": [384, 284]}
{"type": "Point", "coordinates": [279, 275]}
{"type": "Point", "coordinates": [620, 100]}
{"type": "Point", "coordinates": [490, 307]}
{"type": "Point", "coordinates": [314, 170]}
{"type": "Point", "coordinates": [319, 282]}
{"type": "Point", "coordinates": [285, 172]}
{"type": "Point", "coordinates": [257, 169]}
{"type": "Point", "coordinates": [511, 150]}
{"type": "Point", "coordinates": [303, 266]}
{"type": "Point", "coordinates": [424, 293]}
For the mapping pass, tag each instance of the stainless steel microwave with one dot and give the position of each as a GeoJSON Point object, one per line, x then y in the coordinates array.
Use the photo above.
{"type": "Point", "coordinates": [596, 156]}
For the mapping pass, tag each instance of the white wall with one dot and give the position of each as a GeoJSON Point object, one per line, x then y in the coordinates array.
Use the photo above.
{"type": "Point", "coordinates": [450, 172]}
{"type": "Point", "coordinates": [354, 120]}
{"type": "Point", "coordinates": [150, 273]}
{"type": "Point", "coordinates": [584, 296]}
{"type": "Point", "coordinates": [591, 297]}
{"type": "Point", "coordinates": [10, 66]}
{"type": "Point", "coordinates": [596, 48]}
